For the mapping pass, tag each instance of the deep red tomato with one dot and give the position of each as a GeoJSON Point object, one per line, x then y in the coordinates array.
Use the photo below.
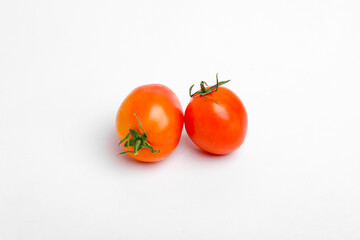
{"type": "Point", "coordinates": [149, 122]}
{"type": "Point", "coordinates": [216, 119]}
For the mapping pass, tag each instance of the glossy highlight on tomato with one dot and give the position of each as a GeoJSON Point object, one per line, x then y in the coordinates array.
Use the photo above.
{"type": "Point", "coordinates": [155, 112]}
{"type": "Point", "coordinates": [216, 119]}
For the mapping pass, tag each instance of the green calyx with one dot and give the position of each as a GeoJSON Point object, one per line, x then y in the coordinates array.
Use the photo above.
{"type": "Point", "coordinates": [138, 141]}
{"type": "Point", "coordinates": [203, 92]}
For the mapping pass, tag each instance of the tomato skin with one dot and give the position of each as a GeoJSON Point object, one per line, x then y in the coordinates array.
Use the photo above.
{"type": "Point", "coordinates": [217, 127]}
{"type": "Point", "coordinates": [161, 116]}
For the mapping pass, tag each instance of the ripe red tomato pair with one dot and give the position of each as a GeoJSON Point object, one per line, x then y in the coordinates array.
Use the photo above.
{"type": "Point", "coordinates": [150, 120]}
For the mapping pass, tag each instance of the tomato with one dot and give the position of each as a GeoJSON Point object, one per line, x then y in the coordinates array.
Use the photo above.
{"type": "Point", "coordinates": [216, 119]}
{"type": "Point", "coordinates": [149, 123]}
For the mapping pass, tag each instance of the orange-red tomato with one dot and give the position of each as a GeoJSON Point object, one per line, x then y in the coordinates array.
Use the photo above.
{"type": "Point", "coordinates": [160, 114]}
{"type": "Point", "coordinates": [217, 123]}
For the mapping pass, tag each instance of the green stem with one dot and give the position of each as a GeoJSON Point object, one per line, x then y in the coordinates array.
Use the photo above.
{"type": "Point", "coordinates": [203, 92]}
{"type": "Point", "coordinates": [138, 141]}
{"type": "Point", "coordinates": [202, 86]}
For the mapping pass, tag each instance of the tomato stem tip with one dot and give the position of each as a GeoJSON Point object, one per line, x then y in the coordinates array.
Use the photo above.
{"type": "Point", "coordinates": [203, 92]}
{"type": "Point", "coordinates": [138, 141]}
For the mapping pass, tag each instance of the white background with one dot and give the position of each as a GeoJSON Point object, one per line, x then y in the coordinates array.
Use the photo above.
{"type": "Point", "coordinates": [65, 67]}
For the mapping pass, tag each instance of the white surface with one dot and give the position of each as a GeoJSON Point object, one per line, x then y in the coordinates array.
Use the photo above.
{"type": "Point", "coordinates": [65, 67]}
